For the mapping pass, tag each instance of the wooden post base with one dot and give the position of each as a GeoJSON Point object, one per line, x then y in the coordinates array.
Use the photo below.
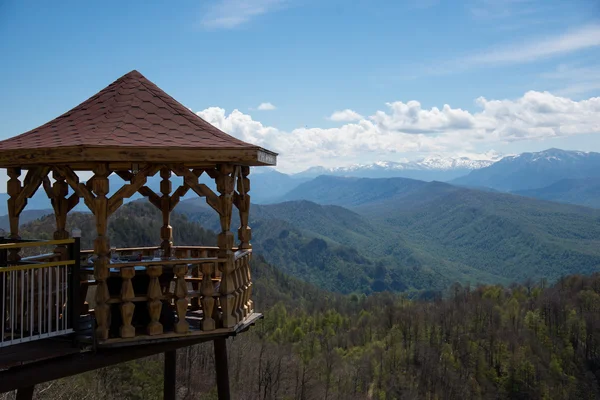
{"type": "Point", "coordinates": [170, 372]}
{"type": "Point", "coordinates": [222, 369]}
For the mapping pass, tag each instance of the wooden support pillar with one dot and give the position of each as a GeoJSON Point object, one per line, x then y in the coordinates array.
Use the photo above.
{"type": "Point", "coordinates": [166, 232]}
{"type": "Point", "coordinates": [225, 239]}
{"type": "Point", "coordinates": [13, 188]}
{"type": "Point", "coordinates": [170, 375]}
{"type": "Point", "coordinates": [101, 248]}
{"type": "Point", "coordinates": [60, 204]}
{"type": "Point", "coordinates": [25, 393]}
{"type": "Point", "coordinates": [243, 187]}
{"type": "Point", "coordinates": [221, 368]}
{"type": "Point", "coordinates": [244, 236]}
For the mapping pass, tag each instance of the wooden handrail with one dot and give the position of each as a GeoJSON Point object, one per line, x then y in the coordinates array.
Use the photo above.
{"type": "Point", "coordinates": [91, 251]}
{"type": "Point", "coordinates": [36, 266]}
{"type": "Point", "coordinates": [36, 244]}
{"type": "Point", "coordinates": [196, 247]}
{"type": "Point", "coordinates": [192, 261]}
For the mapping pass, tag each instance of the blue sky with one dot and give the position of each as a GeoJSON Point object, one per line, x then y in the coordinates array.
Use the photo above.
{"type": "Point", "coordinates": [536, 64]}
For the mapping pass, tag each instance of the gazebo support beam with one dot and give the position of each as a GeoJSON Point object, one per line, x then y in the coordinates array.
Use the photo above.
{"type": "Point", "coordinates": [225, 241]}
{"type": "Point", "coordinates": [166, 232]}
{"type": "Point", "coordinates": [61, 205]}
{"type": "Point", "coordinates": [101, 249]}
{"type": "Point", "coordinates": [243, 205]}
{"type": "Point", "coordinates": [222, 369]}
{"type": "Point", "coordinates": [13, 188]}
{"type": "Point", "coordinates": [170, 375]}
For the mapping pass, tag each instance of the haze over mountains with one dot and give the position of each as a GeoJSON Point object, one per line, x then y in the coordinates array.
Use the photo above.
{"type": "Point", "coordinates": [367, 234]}
{"type": "Point", "coordinates": [556, 175]}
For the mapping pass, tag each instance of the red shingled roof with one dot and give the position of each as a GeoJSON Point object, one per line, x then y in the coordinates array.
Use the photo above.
{"type": "Point", "coordinates": [130, 112]}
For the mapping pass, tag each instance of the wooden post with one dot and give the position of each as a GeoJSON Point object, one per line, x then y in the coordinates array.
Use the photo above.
{"type": "Point", "coordinates": [60, 190]}
{"type": "Point", "coordinates": [243, 187]}
{"type": "Point", "coordinates": [76, 299]}
{"type": "Point", "coordinates": [25, 393]}
{"type": "Point", "coordinates": [166, 232]}
{"type": "Point", "coordinates": [170, 375]}
{"type": "Point", "coordinates": [225, 186]}
{"type": "Point", "coordinates": [13, 188]}
{"type": "Point", "coordinates": [222, 370]}
{"type": "Point", "coordinates": [244, 236]}
{"type": "Point", "coordinates": [101, 248]}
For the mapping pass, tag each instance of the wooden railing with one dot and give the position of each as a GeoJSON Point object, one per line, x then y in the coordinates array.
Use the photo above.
{"type": "Point", "coordinates": [180, 295]}
{"type": "Point", "coordinates": [37, 293]}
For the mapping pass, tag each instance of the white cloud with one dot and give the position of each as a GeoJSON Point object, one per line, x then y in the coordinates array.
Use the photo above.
{"type": "Point", "coordinates": [228, 14]}
{"type": "Point", "coordinates": [524, 51]}
{"type": "Point", "coordinates": [407, 128]}
{"type": "Point", "coordinates": [568, 42]}
{"type": "Point", "coordinates": [346, 115]}
{"type": "Point", "coordinates": [266, 107]}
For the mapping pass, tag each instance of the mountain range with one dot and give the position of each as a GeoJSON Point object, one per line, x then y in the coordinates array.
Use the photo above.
{"type": "Point", "coordinates": [553, 174]}
{"type": "Point", "coordinates": [401, 234]}
{"type": "Point", "coordinates": [427, 169]}
{"type": "Point", "coordinates": [528, 171]}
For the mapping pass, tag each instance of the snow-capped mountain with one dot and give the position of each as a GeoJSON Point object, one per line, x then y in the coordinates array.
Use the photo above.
{"type": "Point", "coordinates": [534, 170]}
{"type": "Point", "coordinates": [428, 169]}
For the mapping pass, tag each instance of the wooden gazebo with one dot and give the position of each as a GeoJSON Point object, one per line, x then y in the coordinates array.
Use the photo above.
{"type": "Point", "coordinates": [135, 130]}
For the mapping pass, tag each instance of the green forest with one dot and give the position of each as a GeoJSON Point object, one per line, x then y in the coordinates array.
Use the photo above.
{"type": "Point", "coordinates": [534, 340]}
{"type": "Point", "coordinates": [488, 342]}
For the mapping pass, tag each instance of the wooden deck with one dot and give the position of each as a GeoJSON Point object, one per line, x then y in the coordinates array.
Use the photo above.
{"type": "Point", "coordinates": [53, 359]}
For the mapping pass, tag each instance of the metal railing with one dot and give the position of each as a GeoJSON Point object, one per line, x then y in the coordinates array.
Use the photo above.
{"type": "Point", "coordinates": [37, 298]}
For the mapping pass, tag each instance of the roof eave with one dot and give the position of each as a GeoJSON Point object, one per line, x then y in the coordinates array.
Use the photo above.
{"type": "Point", "coordinates": [251, 155]}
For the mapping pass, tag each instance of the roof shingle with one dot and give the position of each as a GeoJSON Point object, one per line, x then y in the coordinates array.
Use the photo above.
{"type": "Point", "coordinates": [130, 112]}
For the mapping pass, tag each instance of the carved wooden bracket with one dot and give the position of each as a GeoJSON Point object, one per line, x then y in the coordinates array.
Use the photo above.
{"type": "Point", "coordinates": [137, 181]}
{"type": "Point", "coordinates": [82, 190]}
{"type": "Point", "coordinates": [191, 179]}
{"type": "Point", "coordinates": [31, 183]}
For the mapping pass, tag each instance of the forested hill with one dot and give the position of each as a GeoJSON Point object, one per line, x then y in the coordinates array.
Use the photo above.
{"type": "Point", "coordinates": [518, 342]}
{"type": "Point", "coordinates": [421, 239]}
{"type": "Point", "coordinates": [489, 342]}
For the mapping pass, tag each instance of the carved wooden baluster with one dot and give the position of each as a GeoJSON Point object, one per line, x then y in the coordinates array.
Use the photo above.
{"type": "Point", "coordinates": [237, 278]}
{"type": "Point", "coordinates": [208, 301]}
{"type": "Point", "coordinates": [181, 301]}
{"type": "Point", "coordinates": [127, 307]}
{"type": "Point", "coordinates": [225, 186]}
{"type": "Point", "coordinates": [242, 287]}
{"type": "Point", "coordinates": [246, 278]}
{"type": "Point", "coordinates": [154, 300]}
{"type": "Point", "coordinates": [195, 301]}
{"type": "Point", "coordinates": [100, 185]}
{"type": "Point", "coordinates": [249, 301]}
